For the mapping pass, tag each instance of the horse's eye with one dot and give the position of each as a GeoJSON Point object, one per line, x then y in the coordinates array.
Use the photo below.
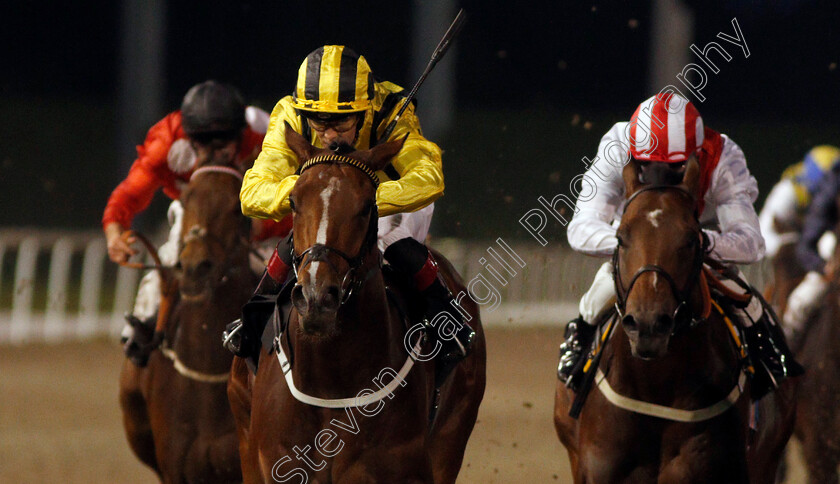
{"type": "Point", "coordinates": [292, 203]}
{"type": "Point", "coordinates": [620, 240]}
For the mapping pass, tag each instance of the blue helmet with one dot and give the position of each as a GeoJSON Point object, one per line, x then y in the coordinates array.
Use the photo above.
{"type": "Point", "coordinates": [816, 164]}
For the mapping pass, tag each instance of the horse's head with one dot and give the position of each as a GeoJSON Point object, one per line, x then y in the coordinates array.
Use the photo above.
{"type": "Point", "coordinates": [658, 258]}
{"type": "Point", "coordinates": [214, 233]}
{"type": "Point", "coordinates": [335, 226]}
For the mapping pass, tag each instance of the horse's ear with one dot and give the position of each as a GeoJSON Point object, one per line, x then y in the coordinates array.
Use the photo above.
{"type": "Point", "coordinates": [301, 147]}
{"type": "Point", "coordinates": [379, 156]}
{"type": "Point", "coordinates": [691, 179]}
{"type": "Point", "coordinates": [632, 177]}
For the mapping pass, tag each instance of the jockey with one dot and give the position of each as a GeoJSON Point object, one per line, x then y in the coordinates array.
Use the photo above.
{"type": "Point", "coordinates": [213, 123]}
{"type": "Point", "coordinates": [821, 218]}
{"type": "Point", "coordinates": [337, 102]}
{"type": "Point", "coordinates": [787, 203]}
{"type": "Point", "coordinates": [727, 195]}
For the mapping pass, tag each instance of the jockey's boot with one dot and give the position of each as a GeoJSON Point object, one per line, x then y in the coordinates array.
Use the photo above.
{"type": "Point", "coordinates": [130, 322]}
{"type": "Point", "coordinates": [769, 353]}
{"type": "Point", "coordinates": [141, 340]}
{"type": "Point", "coordinates": [457, 338]}
{"type": "Point", "coordinates": [579, 336]}
{"type": "Point", "coordinates": [445, 322]}
{"type": "Point", "coordinates": [242, 337]}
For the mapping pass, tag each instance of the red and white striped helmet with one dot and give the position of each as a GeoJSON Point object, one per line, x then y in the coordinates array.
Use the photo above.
{"type": "Point", "coordinates": [666, 127]}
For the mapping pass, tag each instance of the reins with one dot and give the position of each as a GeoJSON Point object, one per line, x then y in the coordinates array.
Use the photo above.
{"type": "Point", "coordinates": [168, 285]}
{"type": "Point", "coordinates": [149, 247]}
{"type": "Point", "coordinates": [351, 282]}
{"type": "Point", "coordinates": [698, 275]}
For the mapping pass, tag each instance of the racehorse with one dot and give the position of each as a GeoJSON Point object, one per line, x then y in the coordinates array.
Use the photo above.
{"type": "Point", "coordinates": [679, 414]}
{"type": "Point", "coordinates": [787, 271]}
{"type": "Point", "coordinates": [349, 403]}
{"type": "Point", "coordinates": [817, 419]}
{"type": "Point", "coordinates": [175, 410]}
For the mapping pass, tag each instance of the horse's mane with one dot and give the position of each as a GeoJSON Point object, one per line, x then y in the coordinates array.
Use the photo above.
{"type": "Point", "coordinates": [661, 174]}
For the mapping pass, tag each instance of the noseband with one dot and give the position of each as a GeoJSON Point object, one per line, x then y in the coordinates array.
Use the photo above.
{"type": "Point", "coordinates": [351, 281]}
{"type": "Point", "coordinates": [681, 296]}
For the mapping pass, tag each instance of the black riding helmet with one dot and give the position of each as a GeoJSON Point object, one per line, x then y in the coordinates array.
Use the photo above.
{"type": "Point", "coordinates": [212, 110]}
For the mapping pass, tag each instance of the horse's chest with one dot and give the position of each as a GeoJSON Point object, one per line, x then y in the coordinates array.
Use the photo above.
{"type": "Point", "coordinates": [644, 449]}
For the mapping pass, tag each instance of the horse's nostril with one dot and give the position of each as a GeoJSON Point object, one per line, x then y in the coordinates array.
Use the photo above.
{"type": "Point", "coordinates": [329, 300]}
{"type": "Point", "coordinates": [629, 322]}
{"type": "Point", "coordinates": [299, 299]}
{"type": "Point", "coordinates": [663, 323]}
{"type": "Point", "coordinates": [202, 269]}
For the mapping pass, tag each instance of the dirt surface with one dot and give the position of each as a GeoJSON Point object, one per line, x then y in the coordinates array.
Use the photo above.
{"type": "Point", "coordinates": [60, 420]}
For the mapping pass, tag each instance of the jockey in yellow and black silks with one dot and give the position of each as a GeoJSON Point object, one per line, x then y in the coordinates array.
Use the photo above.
{"type": "Point", "coordinates": [337, 102]}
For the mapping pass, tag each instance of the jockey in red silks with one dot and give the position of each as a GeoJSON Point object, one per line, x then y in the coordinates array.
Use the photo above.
{"type": "Point", "coordinates": [662, 134]}
{"type": "Point", "coordinates": [213, 125]}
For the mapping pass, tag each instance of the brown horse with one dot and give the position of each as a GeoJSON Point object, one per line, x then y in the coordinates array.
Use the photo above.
{"type": "Point", "coordinates": [817, 419]}
{"type": "Point", "coordinates": [362, 410]}
{"type": "Point", "coordinates": [175, 410]}
{"type": "Point", "coordinates": [666, 358]}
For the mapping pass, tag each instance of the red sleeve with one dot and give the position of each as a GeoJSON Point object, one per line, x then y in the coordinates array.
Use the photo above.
{"type": "Point", "coordinates": [148, 173]}
{"type": "Point", "coordinates": [270, 228]}
{"type": "Point", "coordinates": [250, 146]}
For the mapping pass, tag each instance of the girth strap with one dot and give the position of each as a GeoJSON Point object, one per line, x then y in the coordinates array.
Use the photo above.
{"type": "Point", "coordinates": [668, 413]}
{"type": "Point", "coordinates": [363, 398]}
{"type": "Point", "coordinates": [186, 372]}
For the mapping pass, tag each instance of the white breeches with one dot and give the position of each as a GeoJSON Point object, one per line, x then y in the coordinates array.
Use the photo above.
{"type": "Point", "coordinates": [403, 225]}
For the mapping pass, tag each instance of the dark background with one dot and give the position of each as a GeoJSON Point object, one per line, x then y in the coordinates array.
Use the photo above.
{"type": "Point", "coordinates": [538, 83]}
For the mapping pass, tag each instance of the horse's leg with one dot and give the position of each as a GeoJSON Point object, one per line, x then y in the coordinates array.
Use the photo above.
{"type": "Point", "coordinates": [820, 460]}
{"type": "Point", "coordinates": [138, 429]}
{"type": "Point", "coordinates": [565, 426]}
{"type": "Point", "coordinates": [214, 460]}
{"type": "Point", "coordinates": [239, 395]}
{"type": "Point", "coordinates": [450, 441]}
{"type": "Point", "coordinates": [457, 414]}
{"type": "Point", "coordinates": [410, 465]}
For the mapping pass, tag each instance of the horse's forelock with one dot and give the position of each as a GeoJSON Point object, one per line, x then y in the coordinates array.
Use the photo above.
{"type": "Point", "coordinates": [661, 174]}
{"type": "Point", "coordinates": [341, 148]}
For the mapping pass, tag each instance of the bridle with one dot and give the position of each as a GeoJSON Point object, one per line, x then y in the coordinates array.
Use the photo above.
{"type": "Point", "coordinates": [682, 295]}
{"type": "Point", "coordinates": [198, 232]}
{"type": "Point", "coordinates": [352, 279]}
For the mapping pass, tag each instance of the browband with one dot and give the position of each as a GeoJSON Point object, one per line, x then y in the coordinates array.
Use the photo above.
{"type": "Point", "coordinates": [333, 158]}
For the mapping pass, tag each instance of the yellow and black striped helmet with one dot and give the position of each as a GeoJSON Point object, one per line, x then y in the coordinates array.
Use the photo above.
{"type": "Point", "coordinates": [333, 79]}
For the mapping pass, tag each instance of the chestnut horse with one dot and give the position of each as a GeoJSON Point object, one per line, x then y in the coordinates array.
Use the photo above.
{"type": "Point", "coordinates": [817, 419]}
{"type": "Point", "coordinates": [664, 357]}
{"type": "Point", "coordinates": [349, 404]}
{"type": "Point", "coordinates": [175, 410]}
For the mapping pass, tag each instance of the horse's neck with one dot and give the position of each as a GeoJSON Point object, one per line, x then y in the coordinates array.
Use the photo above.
{"type": "Point", "coordinates": [701, 361]}
{"type": "Point", "coordinates": [369, 340]}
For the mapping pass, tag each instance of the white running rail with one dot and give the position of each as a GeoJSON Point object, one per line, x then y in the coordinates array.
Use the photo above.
{"type": "Point", "coordinates": [59, 285]}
